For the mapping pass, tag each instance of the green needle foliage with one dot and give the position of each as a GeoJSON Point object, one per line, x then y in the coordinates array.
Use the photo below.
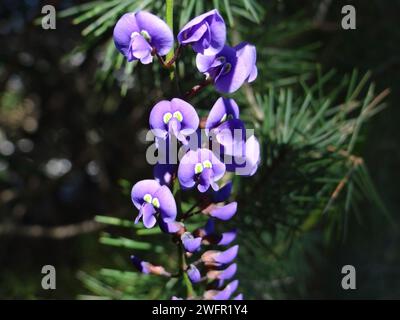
{"type": "Point", "coordinates": [309, 123]}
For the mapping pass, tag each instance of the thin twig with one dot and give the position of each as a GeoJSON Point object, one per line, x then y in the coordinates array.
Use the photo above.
{"type": "Point", "coordinates": [197, 88]}
{"type": "Point", "coordinates": [169, 64]}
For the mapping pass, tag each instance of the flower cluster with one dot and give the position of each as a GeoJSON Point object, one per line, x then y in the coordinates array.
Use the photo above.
{"type": "Point", "coordinates": [143, 36]}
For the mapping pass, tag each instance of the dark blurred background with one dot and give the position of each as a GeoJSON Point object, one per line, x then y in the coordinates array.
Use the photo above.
{"type": "Point", "coordinates": [67, 150]}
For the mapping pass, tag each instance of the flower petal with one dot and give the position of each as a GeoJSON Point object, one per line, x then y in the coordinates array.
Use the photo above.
{"type": "Point", "coordinates": [190, 121]}
{"type": "Point", "coordinates": [156, 119]}
{"type": "Point", "coordinates": [167, 202]}
{"type": "Point", "coordinates": [203, 63]}
{"type": "Point", "coordinates": [123, 30]}
{"type": "Point", "coordinates": [227, 256]}
{"type": "Point", "coordinates": [231, 135]}
{"type": "Point", "coordinates": [247, 165]}
{"type": "Point", "coordinates": [227, 292]}
{"type": "Point", "coordinates": [141, 188]}
{"type": "Point", "coordinates": [140, 48]}
{"type": "Point", "coordinates": [226, 274]}
{"type": "Point", "coordinates": [149, 220]}
{"type": "Point", "coordinates": [247, 54]}
{"type": "Point", "coordinates": [206, 33]}
{"type": "Point", "coordinates": [190, 243]}
{"type": "Point", "coordinates": [161, 35]}
{"type": "Point", "coordinates": [227, 238]}
{"type": "Point", "coordinates": [242, 65]}
{"type": "Point", "coordinates": [222, 108]}
{"type": "Point", "coordinates": [193, 274]}
{"type": "Point", "coordinates": [196, 33]}
{"type": "Point", "coordinates": [226, 212]}
{"type": "Point", "coordinates": [186, 171]}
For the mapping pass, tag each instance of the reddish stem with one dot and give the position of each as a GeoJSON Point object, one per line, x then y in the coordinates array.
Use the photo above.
{"type": "Point", "coordinates": [169, 64]}
{"type": "Point", "coordinates": [197, 88]}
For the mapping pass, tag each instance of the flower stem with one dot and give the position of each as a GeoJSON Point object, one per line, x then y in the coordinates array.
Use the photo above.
{"type": "Point", "coordinates": [197, 88]}
{"type": "Point", "coordinates": [170, 22]}
{"type": "Point", "coordinates": [183, 267]}
{"type": "Point", "coordinates": [169, 64]}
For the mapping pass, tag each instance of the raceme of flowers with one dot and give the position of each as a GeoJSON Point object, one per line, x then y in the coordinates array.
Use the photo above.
{"type": "Point", "coordinates": [208, 254]}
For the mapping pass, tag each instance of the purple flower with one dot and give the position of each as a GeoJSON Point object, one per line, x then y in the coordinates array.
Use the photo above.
{"type": "Point", "coordinates": [222, 110]}
{"type": "Point", "coordinates": [224, 212]}
{"type": "Point", "coordinates": [190, 243]}
{"type": "Point", "coordinates": [217, 258]}
{"type": "Point", "coordinates": [224, 294]}
{"type": "Point", "coordinates": [200, 167]}
{"type": "Point", "coordinates": [152, 198]}
{"type": "Point", "coordinates": [227, 238]}
{"type": "Point", "coordinates": [173, 118]}
{"type": "Point", "coordinates": [231, 67]}
{"type": "Point", "coordinates": [223, 126]}
{"type": "Point", "coordinates": [247, 163]}
{"type": "Point", "coordinates": [194, 274]}
{"type": "Point", "coordinates": [210, 237]}
{"type": "Point", "coordinates": [206, 33]}
{"type": "Point", "coordinates": [138, 35]}
{"type": "Point", "coordinates": [226, 274]}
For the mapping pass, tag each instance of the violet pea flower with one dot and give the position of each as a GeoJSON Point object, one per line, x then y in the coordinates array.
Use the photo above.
{"type": "Point", "coordinates": [231, 67]}
{"type": "Point", "coordinates": [224, 294]}
{"type": "Point", "coordinates": [207, 233]}
{"type": "Point", "coordinates": [173, 118]}
{"type": "Point", "coordinates": [223, 239]}
{"type": "Point", "coordinates": [138, 35]}
{"type": "Point", "coordinates": [227, 237]}
{"type": "Point", "coordinates": [224, 212]}
{"type": "Point", "coordinates": [216, 258]}
{"type": "Point", "coordinates": [223, 126]}
{"type": "Point", "coordinates": [206, 33]}
{"type": "Point", "coordinates": [200, 167]}
{"type": "Point", "coordinates": [222, 110]}
{"type": "Point", "coordinates": [247, 163]}
{"type": "Point", "coordinates": [190, 243]}
{"type": "Point", "coordinates": [151, 198]}
{"type": "Point", "coordinates": [194, 274]}
{"type": "Point", "coordinates": [225, 274]}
